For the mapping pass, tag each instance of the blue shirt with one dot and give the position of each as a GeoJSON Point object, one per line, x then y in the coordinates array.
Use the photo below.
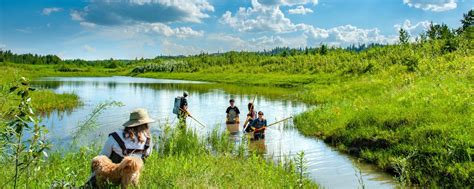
{"type": "Point", "coordinates": [259, 124]}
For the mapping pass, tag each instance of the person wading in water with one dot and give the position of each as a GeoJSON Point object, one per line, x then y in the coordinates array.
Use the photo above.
{"type": "Point", "coordinates": [133, 140]}
{"type": "Point", "coordinates": [252, 115]}
{"type": "Point", "coordinates": [258, 126]}
{"type": "Point", "coordinates": [232, 113]}
{"type": "Point", "coordinates": [183, 110]}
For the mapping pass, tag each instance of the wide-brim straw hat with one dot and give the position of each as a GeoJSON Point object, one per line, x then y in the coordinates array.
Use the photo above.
{"type": "Point", "coordinates": [138, 117]}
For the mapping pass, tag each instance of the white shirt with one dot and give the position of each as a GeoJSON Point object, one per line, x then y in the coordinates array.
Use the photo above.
{"type": "Point", "coordinates": [112, 145]}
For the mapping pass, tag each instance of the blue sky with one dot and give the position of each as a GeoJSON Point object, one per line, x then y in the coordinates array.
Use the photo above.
{"type": "Point", "coordinates": [128, 29]}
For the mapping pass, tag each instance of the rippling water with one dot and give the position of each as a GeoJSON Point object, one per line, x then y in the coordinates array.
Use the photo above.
{"type": "Point", "coordinates": [207, 102]}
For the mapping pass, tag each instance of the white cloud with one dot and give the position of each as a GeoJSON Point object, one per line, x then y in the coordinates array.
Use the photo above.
{"type": "Point", "coordinates": [165, 30]}
{"type": "Point", "coordinates": [284, 2]}
{"type": "Point", "coordinates": [222, 42]}
{"type": "Point", "coordinates": [49, 10]}
{"type": "Point", "coordinates": [170, 48]}
{"type": "Point", "coordinates": [345, 35]}
{"type": "Point", "coordinates": [87, 24]}
{"type": "Point", "coordinates": [119, 20]}
{"type": "Point", "coordinates": [25, 31]}
{"type": "Point", "coordinates": [432, 5]}
{"type": "Point", "coordinates": [76, 16]}
{"type": "Point", "coordinates": [300, 10]}
{"type": "Point", "coordinates": [413, 29]}
{"type": "Point", "coordinates": [266, 16]}
{"type": "Point", "coordinates": [258, 19]}
{"type": "Point", "coordinates": [88, 49]}
{"type": "Point", "coordinates": [270, 19]}
{"type": "Point", "coordinates": [143, 11]}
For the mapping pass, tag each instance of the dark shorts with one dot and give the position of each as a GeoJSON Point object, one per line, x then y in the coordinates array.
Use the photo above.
{"type": "Point", "coordinates": [259, 135]}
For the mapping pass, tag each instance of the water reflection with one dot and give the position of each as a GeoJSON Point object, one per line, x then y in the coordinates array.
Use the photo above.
{"type": "Point", "coordinates": [233, 128]}
{"type": "Point", "coordinates": [208, 103]}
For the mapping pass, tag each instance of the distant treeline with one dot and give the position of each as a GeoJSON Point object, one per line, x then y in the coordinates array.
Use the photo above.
{"type": "Point", "coordinates": [8, 56]}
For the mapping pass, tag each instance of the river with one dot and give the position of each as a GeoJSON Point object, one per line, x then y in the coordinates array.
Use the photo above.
{"type": "Point", "coordinates": [207, 102]}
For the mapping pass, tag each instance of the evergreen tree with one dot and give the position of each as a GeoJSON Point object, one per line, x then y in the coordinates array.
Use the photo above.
{"type": "Point", "coordinates": [403, 36]}
{"type": "Point", "coordinates": [323, 50]}
{"type": "Point", "coordinates": [467, 21]}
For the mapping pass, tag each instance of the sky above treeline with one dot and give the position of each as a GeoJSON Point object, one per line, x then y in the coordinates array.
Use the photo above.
{"type": "Point", "coordinates": [129, 29]}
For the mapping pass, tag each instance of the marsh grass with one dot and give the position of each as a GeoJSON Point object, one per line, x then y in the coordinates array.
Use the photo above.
{"type": "Point", "coordinates": [388, 117]}
{"type": "Point", "coordinates": [42, 99]}
{"type": "Point", "coordinates": [181, 159]}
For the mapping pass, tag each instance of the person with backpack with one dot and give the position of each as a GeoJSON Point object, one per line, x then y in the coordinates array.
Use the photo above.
{"type": "Point", "coordinates": [258, 126]}
{"type": "Point", "coordinates": [232, 113]}
{"type": "Point", "coordinates": [181, 107]}
{"type": "Point", "coordinates": [133, 140]}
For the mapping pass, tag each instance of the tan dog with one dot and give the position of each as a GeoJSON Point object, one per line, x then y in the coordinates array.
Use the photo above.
{"type": "Point", "coordinates": [125, 173]}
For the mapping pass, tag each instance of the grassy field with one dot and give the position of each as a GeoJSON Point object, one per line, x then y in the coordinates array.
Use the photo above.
{"type": "Point", "coordinates": [180, 160]}
{"type": "Point", "coordinates": [418, 126]}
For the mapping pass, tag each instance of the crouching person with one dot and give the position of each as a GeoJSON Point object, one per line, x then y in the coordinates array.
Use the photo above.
{"type": "Point", "coordinates": [122, 156]}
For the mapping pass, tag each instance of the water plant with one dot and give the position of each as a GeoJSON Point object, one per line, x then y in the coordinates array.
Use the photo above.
{"type": "Point", "coordinates": [90, 124]}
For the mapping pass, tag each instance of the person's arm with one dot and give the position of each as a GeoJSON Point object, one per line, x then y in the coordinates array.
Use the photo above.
{"type": "Point", "coordinates": [107, 149]}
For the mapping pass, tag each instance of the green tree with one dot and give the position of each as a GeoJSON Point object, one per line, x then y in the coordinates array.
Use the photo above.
{"type": "Point", "coordinates": [467, 20]}
{"type": "Point", "coordinates": [323, 50]}
{"type": "Point", "coordinates": [403, 36]}
{"type": "Point", "coordinates": [432, 31]}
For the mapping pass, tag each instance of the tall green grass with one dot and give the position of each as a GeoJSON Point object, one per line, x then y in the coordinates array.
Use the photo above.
{"type": "Point", "coordinates": [416, 125]}
{"type": "Point", "coordinates": [181, 159]}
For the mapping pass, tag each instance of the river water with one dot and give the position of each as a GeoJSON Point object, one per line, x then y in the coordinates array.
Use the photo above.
{"type": "Point", "coordinates": [207, 102]}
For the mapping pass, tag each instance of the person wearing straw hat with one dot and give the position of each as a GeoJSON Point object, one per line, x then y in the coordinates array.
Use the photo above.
{"type": "Point", "coordinates": [133, 140]}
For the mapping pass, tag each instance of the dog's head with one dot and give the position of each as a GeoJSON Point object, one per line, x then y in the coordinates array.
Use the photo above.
{"type": "Point", "coordinates": [131, 164]}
